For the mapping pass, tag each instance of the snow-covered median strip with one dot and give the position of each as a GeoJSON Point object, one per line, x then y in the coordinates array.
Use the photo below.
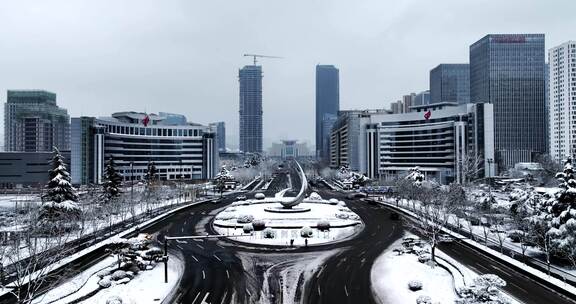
{"type": "Point", "coordinates": [498, 256]}
{"type": "Point", "coordinates": [391, 275]}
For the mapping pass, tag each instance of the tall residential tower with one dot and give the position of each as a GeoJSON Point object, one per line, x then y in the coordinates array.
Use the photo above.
{"type": "Point", "coordinates": [250, 78]}
{"type": "Point", "coordinates": [327, 105]}
{"type": "Point", "coordinates": [562, 98]}
{"type": "Point", "coordinates": [508, 72]}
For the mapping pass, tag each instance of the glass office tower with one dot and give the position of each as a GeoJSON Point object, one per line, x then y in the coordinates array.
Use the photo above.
{"type": "Point", "coordinates": [327, 105]}
{"type": "Point", "coordinates": [450, 83]}
{"type": "Point", "coordinates": [250, 78]}
{"type": "Point", "coordinates": [508, 72]}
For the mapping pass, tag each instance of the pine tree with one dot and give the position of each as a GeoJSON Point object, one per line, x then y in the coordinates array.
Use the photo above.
{"type": "Point", "coordinates": [59, 202]}
{"type": "Point", "coordinates": [151, 173]}
{"type": "Point", "coordinates": [112, 181]}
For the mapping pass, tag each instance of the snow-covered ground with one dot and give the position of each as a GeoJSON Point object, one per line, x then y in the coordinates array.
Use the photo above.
{"type": "Point", "coordinates": [391, 274]}
{"type": "Point", "coordinates": [146, 287]}
{"type": "Point", "coordinates": [287, 226]}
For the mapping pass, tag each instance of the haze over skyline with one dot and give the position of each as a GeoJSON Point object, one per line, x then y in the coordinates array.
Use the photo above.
{"type": "Point", "coordinates": [101, 57]}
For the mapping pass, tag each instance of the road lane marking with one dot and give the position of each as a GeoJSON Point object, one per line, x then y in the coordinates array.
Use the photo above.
{"type": "Point", "coordinates": [178, 245]}
{"type": "Point", "coordinates": [217, 257]}
{"type": "Point", "coordinates": [203, 275]}
{"type": "Point", "coordinates": [319, 293]}
{"type": "Point", "coordinates": [346, 290]}
{"type": "Point", "coordinates": [227, 274]}
{"type": "Point", "coordinates": [195, 259]}
{"type": "Point", "coordinates": [201, 247]}
{"type": "Point", "coordinates": [196, 297]}
{"type": "Point", "coordinates": [205, 297]}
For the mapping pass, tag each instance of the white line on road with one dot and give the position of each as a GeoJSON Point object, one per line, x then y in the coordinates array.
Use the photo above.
{"type": "Point", "coordinates": [205, 297]}
{"type": "Point", "coordinates": [319, 293]}
{"type": "Point", "coordinates": [201, 247]}
{"type": "Point", "coordinates": [227, 274]}
{"type": "Point", "coordinates": [346, 290]}
{"type": "Point", "coordinates": [178, 245]}
{"type": "Point", "coordinates": [203, 275]}
{"type": "Point", "coordinates": [217, 257]}
{"type": "Point", "coordinates": [196, 297]}
{"type": "Point", "coordinates": [195, 259]}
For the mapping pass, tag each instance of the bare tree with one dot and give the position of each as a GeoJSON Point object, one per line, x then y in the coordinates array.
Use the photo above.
{"type": "Point", "coordinates": [30, 269]}
{"type": "Point", "coordinates": [471, 166]}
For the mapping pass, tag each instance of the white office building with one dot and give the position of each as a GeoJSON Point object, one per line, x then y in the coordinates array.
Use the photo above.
{"type": "Point", "coordinates": [562, 98]}
{"type": "Point", "coordinates": [178, 149]}
{"type": "Point", "coordinates": [443, 140]}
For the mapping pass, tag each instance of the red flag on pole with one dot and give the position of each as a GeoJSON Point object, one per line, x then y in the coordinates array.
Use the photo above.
{"type": "Point", "coordinates": [146, 120]}
{"type": "Point", "coordinates": [427, 115]}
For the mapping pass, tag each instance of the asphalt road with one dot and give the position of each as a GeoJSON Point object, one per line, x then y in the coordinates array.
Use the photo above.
{"type": "Point", "coordinates": [216, 270]}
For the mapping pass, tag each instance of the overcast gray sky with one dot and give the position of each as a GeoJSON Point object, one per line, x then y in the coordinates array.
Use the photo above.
{"type": "Point", "coordinates": [103, 56]}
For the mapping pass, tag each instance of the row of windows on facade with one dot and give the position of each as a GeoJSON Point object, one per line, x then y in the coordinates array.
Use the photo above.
{"type": "Point", "coordinates": [152, 131]}
{"type": "Point", "coordinates": [160, 170]}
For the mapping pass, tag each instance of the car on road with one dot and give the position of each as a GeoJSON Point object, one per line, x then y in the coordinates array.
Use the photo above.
{"type": "Point", "coordinates": [357, 195]}
{"type": "Point", "coordinates": [241, 197]}
{"type": "Point", "coordinates": [217, 201]}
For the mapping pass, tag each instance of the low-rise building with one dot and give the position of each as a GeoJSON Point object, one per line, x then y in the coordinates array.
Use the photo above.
{"type": "Point", "coordinates": [26, 169]}
{"type": "Point", "coordinates": [179, 150]}
{"type": "Point", "coordinates": [443, 140]}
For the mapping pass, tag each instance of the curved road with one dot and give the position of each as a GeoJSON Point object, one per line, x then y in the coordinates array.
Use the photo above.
{"type": "Point", "coordinates": [224, 271]}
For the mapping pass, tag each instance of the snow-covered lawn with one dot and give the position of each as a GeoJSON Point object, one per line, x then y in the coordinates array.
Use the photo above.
{"type": "Point", "coordinates": [146, 287]}
{"type": "Point", "coordinates": [391, 274]}
{"type": "Point", "coordinates": [280, 227]}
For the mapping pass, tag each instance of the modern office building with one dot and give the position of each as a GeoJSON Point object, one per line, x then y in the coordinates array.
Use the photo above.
{"type": "Point", "coordinates": [397, 107]}
{"type": "Point", "coordinates": [34, 123]}
{"type": "Point", "coordinates": [179, 151]}
{"type": "Point", "coordinates": [327, 104]}
{"type": "Point", "coordinates": [450, 83]}
{"type": "Point", "coordinates": [290, 149]}
{"type": "Point", "coordinates": [443, 140]}
{"type": "Point", "coordinates": [421, 99]}
{"type": "Point", "coordinates": [508, 72]}
{"type": "Point", "coordinates": [562, 98]}
{"type": "Point", "coordinates": [27, 169]}
{"type": "Point", "coordinates": [220, 129]}
{"type": "Point", "coordinates": [250, 78]}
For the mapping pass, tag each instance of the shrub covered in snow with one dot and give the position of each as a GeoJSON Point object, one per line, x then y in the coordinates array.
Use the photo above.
{"type": "Point", "coordinates": [259, 196]}
{"type": "Point", "coordinates": [225, 216]}
{"type": "Point", "coordinates": [485, 289]}
{"type": "Point", "coordinates": [248, 228]}
{"type": "Point", "coordinates": [323, 225]}
{"type": "Point", "coordinates": [245, 218]}
{"type": "Point", "coordinates": [415, 285]}
{"type": "Point", "coordinates": [333, 201]}
{"type": "Point", "coordinates": [118, 275]}
{"type": "Point", "coordinates": [342, 204]}
{"type": "Point", "coordinates": [258, 225]}
{"type": "Point", "coordinates": [424, 257]}
{"type": "Point", "coordinates": [269, 233]}
{"type": "Point", "coordinates": [315, 196]}
{"type": "Point", "coordinates": [344, 209]}
{"type": "Point", "coordinates": [104, 272]}
{"type": "Point", "coordinates": [114, 300]}
{"type": "Point", "coordinates": [343, 216]}
{"type": "Point", "coordinates": [105, 283]}
{"type": "Point", "coordinates": [230, 209]}
{"type": "Point", "coordinates": [306, 232]}
{"type": "Point", "coordinates": [424, 300]}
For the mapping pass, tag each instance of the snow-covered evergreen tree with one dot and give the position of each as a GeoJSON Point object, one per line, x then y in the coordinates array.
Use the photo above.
{"type": "Point", "coordinates": [151, 173]}
{"type": "Point", "coordinates": [60, 201]}
{"type": "Point", "coordinates": [112, 181]}
{"type": "Point", "coordinates": [559, 214]}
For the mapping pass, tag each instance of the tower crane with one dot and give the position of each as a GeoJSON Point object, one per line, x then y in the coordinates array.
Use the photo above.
{"type": "Point", "coordinates": [260, 56]}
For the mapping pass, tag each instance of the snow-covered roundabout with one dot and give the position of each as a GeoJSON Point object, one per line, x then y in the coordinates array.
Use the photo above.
{"type": "Point", "coordinates": [286, 221]}
{"type": "Point", "coordinates": [316, 221]}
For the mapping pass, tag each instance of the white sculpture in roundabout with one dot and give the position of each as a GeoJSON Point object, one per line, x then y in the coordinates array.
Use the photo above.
{"type": "Point", "coordinates": [289, 221]}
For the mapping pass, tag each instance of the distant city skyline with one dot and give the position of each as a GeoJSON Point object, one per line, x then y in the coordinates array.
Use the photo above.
{"type": "Point", "coordinates": [183, 57]}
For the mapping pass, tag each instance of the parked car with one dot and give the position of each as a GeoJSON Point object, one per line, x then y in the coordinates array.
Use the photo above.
{"type": "Point", "coordinates": [241, 197]}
